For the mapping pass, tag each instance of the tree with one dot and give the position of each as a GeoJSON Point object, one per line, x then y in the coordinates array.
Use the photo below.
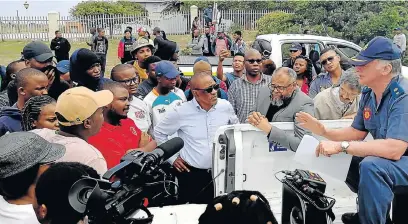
{"type": "Point", "coordinates": [277, 22]}
{"type": "Point", "coordinates": [107, 8]}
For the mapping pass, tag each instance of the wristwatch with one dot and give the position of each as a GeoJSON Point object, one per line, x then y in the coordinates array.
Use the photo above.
{"type": "Point", "coordinates": [344, 146]}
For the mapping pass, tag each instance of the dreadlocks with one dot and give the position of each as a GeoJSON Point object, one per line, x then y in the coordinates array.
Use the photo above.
{"type": "Point", "coordinates": [309, 69]}
{"type": "Point", "coordinates": [239, 207]}
{"type": "Point", "coordinates": [32, 110]}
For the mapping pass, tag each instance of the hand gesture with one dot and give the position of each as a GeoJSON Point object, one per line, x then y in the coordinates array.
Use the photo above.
{"type": "Point", "coordinates": [260, 121]}
{"type": "Point", "coordinates": [328, 148]}
{"type": "Point", "coordinates": [310, 123]}
{"type": "Point", "coordinates": [180, 165]}
{"type": "Point", "coordinates": [224, 54]}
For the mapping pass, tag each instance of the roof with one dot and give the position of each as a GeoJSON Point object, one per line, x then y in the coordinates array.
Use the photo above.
{"type": "Point", "coordinates": [271, 37]}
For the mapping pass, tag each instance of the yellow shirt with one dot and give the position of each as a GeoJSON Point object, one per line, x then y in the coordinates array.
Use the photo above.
{"type": "Point", "coordinates": [142, 72]}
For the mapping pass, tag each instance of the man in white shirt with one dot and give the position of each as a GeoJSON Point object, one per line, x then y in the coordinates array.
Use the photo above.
{"type": "Point", "coordinates": [79, 113]}
{"type": "Point", "coordinates": [139, 111]}
{"type": "Point", "coordinates": [165, 95]}
{"type": "Point", "coordinates": [196, 122]}
{"type": "Point", "coordinates": [400, 40]}
{"type": "Point", "coordinates": [24, 156]}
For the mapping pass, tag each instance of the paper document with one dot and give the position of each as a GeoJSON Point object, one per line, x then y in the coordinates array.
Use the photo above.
{"type": "Point", "coordinates": [336, 166]}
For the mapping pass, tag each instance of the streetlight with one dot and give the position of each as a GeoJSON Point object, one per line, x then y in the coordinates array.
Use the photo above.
{"type": "Point", "coordinates": [26, 5]}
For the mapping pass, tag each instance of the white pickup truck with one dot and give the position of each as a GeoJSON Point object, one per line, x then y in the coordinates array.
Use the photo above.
{"type": "Point", "coordinates": [276, 47]}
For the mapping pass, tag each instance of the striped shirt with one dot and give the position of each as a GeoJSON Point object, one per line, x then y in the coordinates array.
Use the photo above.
{"type": "Point", "coordinates": [243, 94]}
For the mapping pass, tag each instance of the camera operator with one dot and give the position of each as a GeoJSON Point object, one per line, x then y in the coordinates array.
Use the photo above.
{"type": "Point", "coordinates": [51, 204]}
{"type": "Point", "coordinates": [196, 122]}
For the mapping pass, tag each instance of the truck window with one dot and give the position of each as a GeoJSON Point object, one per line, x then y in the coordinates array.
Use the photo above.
{"type": "Point", "coordinates": [306, 51]}
{"type": "Point", "coordinates": [348, 51]}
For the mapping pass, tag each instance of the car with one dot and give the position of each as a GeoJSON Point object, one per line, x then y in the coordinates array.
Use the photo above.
{"type": "Point", "coordinates": [276, 47]}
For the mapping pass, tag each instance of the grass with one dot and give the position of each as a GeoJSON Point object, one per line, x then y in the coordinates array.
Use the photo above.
{"type": "Point", "coordinates": [11, 50]}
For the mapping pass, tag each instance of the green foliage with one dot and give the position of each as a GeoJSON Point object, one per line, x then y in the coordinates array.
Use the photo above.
{"type": "Point", "coordinates": [231, 4]}
{"type": "Point", "coordinates": [277, 22]}
{"type": "Point", "coordinates": [110, 8]}
{"type": "Point", "coordinates": [358, 21]}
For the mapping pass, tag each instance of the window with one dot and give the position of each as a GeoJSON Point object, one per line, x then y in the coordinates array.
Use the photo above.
{"type": "Point", "coordinates": [308, 47]}
{"type": "Point", "coordinates": [347, 51]}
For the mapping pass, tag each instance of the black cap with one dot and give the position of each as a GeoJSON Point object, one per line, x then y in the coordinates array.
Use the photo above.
{"type": "Point", "coordinates": [295, 47]}
{"type": "Point", "coordinates": [37, 50]}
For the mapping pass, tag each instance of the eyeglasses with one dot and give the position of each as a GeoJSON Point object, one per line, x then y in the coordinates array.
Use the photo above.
{"type": "Point", "coordinates": [293, 51]}
{"type": "Point", "coordinates": [251, 61]}
{"type": "Point", "coordinates": [272, 87]}
{"type": "Point", "coordinates": [329, 59]}
{"type": "Point", "coordinates": [210, 89]}
{"type": "Point", "coordinates": [129, 82]}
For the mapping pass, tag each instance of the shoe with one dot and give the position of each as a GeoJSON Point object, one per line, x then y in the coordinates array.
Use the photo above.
{"type": "Point", "coordinates": [350, 218]}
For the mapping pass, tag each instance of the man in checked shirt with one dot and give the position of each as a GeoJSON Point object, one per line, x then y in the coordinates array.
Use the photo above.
{"type": "Point", "coordinates": [244, 91]}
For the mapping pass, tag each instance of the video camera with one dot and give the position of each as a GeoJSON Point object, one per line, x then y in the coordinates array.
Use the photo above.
{"type": "Point", "coordinates": [303, 199]}
{"type": "Point", "coordinates": [127, 188]}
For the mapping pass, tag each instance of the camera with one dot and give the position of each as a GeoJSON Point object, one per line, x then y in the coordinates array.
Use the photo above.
{"type": "Point", "coordinates": [141, 179]}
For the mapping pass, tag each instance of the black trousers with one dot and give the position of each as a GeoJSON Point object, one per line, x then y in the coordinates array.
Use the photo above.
{"type": "Point", "coordinates": [102, 58]}
{"type": "Point", "coordinates": [196, 186]}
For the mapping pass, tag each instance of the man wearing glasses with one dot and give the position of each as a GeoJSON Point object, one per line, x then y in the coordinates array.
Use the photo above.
{"type": "Point", "coordinates": [279, 102]}
{"type": "Point", "coordinates": [139, 112]}
{"type": "Point", "coordinates": [244, 91]}
{"type": "Point", "coordinates": [331, 63]}
{"type": "Point", "coordinates": [196, 122]}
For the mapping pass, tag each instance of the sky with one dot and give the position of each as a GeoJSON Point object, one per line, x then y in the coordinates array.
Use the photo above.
{"type": "Point", "coordinates": [36, 7]}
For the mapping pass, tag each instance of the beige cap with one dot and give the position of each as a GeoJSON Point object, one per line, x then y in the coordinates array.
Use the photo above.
{"type": "Point", "coordinates": [79, 103]}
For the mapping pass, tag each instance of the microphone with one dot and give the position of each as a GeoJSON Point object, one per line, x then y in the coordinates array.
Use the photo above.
{"type": "Point", "coordinates": [164, 151]}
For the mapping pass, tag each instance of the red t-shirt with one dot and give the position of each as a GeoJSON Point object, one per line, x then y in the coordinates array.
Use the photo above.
{"type": "Point", "coordinates": [114, 141]}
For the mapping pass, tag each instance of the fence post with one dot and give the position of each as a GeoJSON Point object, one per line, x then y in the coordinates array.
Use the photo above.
{"type": "Point", "coordinates": [53, 25]}
{"type": "Point", "coordinates": [193, 14]}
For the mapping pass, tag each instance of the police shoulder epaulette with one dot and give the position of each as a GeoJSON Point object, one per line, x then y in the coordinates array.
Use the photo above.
{"type": "Point", "coordinates": [396, 89]}
{"type": "Point", "coordinates": [366, 90]}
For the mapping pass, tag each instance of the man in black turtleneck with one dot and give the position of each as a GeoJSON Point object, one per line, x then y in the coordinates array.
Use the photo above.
{"type": "Point", "coordinates": [147, 85]}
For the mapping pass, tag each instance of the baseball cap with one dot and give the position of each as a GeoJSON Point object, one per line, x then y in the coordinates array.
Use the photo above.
{"type": "Point", "coordinates": [167, 69]}
{"type": "Point", "coordinates": [23, 150]}
{"type": "Point", "coordinates": [141, 29]}
{"type": "Point", "coordinates": [142, 42]}
{"type": "Point", "coordinates": [79, 103]}
{"type": "Point", "coordinates": [37, 50]}
{"type": "Point", "coordinates": [63, 66]}
{"type": "Point", "coordinates": [378, 48]}
{"type": "Point", "coordinates": [397, 28]}
{"type": "Point", "coordinates": [202, 58]}
{"type": "Point", "coordinates": [295, 47]}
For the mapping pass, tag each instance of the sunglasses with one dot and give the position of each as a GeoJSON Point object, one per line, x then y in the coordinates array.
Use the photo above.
{"type": "Point", "coordinates": [251, 61]}
{"type": "Point", "coordinates": [293, 51]}
{"type": "Point", "coordinates": [210, 89]}
{"type": "Point", "coordinates": [128, 82]}
{"type": "Point", "coordinates": [324, 62]}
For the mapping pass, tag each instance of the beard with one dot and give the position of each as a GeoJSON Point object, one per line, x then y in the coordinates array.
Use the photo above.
{"type": "Point", "coordinates": [280, 101]}
{"type": "Point", "coordinates": [115, 117]}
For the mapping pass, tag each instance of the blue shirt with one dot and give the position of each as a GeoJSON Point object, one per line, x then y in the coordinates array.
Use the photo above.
{"type": "Point", "coordinates": [388, 119]}
{"type": "Point", "coordinates": [230, 78]}
{"type": "Point", "coordinates": [197, 128]}
{"type": "Point", "coordinates": [320, 83]}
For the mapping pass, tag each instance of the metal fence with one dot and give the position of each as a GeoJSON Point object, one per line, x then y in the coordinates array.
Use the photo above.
{"type": "Point", "coordinates": [23, 27]}
{"type": "Point", "coordinates": [77, 28]}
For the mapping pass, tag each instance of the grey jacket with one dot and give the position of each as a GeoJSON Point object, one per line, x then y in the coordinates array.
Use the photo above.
{"type": "Point", "coordinates": [196, 44]}
{"type": "Point", "coordinates": [299, 102]}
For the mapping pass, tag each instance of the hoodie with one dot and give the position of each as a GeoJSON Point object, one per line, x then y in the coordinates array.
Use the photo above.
{"type": "Point", "coordinates": [82, 60]}
{"type": "Point", "coordinates": [10, 120]}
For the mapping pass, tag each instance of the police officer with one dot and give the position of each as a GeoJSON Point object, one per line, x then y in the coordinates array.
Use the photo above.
{"type": "Point", "coordinates": [381, 164]}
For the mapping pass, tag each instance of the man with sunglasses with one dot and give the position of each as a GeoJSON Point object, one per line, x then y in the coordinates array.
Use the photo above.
{"type": "Point", "coordinates": [196, 122]}
{"type": "Point", "coordinates": [244, 91]}
{"type": "Point", "coordinates": [139, 111]}
{"type": "Point", "coordinates": [165, 95]}
{"type": "Point", "coordinates": [279, 102]}
{"type": "Point", "coordinates": [295, 50]}
{"type": "Point", "coordinates": [331, 64]}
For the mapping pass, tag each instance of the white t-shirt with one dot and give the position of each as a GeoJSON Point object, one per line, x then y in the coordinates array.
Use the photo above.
{"type": "Point", "coordinates": [16, 214]}
{"type": "Point", "coordinates": [159, 104]}
{"type": "Point", "coordinates": [140, 113]}
{"type": "Point", "coordinates": [76, 150]}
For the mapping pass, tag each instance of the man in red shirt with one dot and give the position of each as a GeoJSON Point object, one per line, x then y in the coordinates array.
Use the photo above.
{"type": "Point", "coordinates": [119, 134]}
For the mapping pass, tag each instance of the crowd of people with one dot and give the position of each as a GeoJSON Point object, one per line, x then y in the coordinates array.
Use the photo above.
{"type": "Point", "coordinates": [62, 121]}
